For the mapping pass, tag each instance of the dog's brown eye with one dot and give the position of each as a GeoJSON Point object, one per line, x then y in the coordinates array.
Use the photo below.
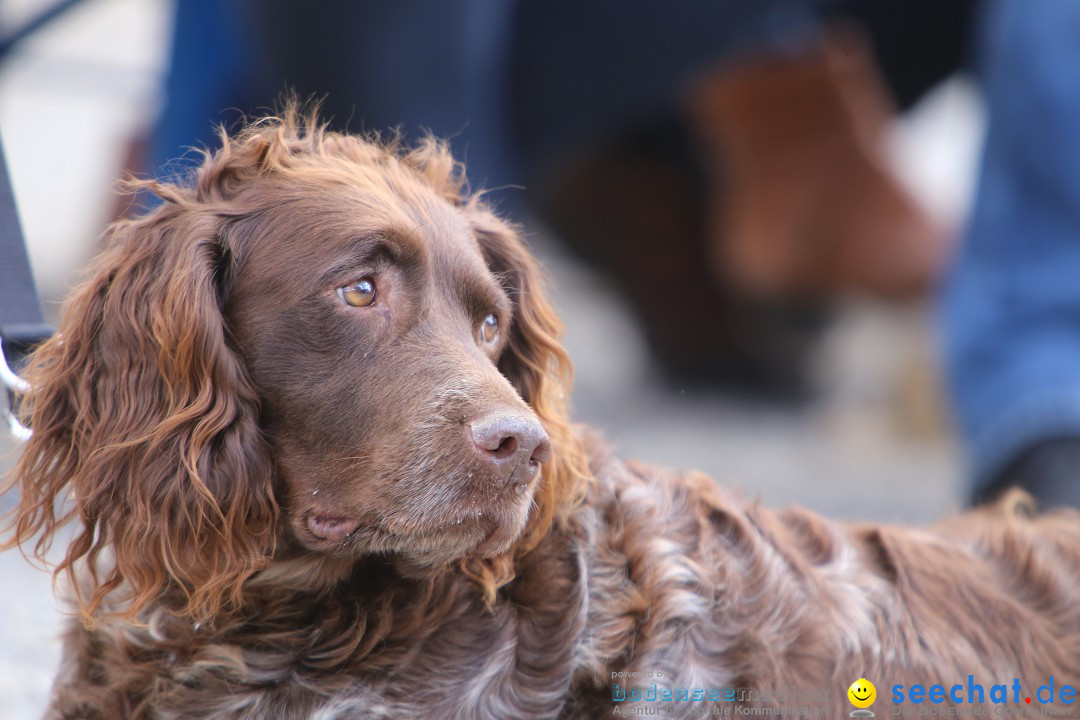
{"type": "Point", "coordinates": [489, 328]}
{"type": "Point", "coordinates": [360, 294]}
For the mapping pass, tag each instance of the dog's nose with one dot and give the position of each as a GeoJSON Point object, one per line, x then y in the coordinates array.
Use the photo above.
{"type": "Point", "coordinates": [512, 446]}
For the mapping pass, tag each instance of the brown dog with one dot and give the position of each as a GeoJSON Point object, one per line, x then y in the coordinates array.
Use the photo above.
{"type": "Point", "coordinates": [310, 416]}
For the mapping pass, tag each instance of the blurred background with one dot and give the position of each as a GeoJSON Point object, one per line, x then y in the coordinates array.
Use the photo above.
{"type": "Point", "coordinates": [752, 215]}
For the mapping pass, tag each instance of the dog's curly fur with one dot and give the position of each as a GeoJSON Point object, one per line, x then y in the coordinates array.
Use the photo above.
{"type": "Point", "coordinates": [208, 394]}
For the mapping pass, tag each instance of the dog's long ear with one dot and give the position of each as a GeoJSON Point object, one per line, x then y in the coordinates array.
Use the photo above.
{"type": "Point", "coordinates": [535, 361]}
{"type": "Point", "coordinates": [145, 424]}
{"type": "Point", "coordinates": [537, 365]}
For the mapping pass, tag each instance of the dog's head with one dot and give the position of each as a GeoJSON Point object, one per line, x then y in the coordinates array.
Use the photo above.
{"type": "Point", "coordinates": [320, 344]}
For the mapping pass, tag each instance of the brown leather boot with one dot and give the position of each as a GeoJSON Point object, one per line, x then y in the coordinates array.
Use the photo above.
{"type": "Point", "coordinates": [804, 203]}
{"type": "Point", "coordinates": [636, 210]}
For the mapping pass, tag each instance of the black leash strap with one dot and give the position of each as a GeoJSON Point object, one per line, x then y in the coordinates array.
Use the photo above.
{"type": "Point", "coordinates": [22, 325]}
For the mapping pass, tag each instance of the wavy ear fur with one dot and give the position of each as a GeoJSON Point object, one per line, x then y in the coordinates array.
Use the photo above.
{"type": "Point", "coordinates": [539, 368]}
{"type": "Point", "coordinates": [145, 429]}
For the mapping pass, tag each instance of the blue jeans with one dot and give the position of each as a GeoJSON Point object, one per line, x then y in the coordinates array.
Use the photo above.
{"type": "Point", "coordinates": [1012, 303]}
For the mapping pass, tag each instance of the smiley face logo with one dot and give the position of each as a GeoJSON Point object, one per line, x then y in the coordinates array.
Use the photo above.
{"type": "Point", "coordinates": [862, 693]}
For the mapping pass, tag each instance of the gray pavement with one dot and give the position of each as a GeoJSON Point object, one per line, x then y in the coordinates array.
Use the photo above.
{"type": "Point", "coordinates": [29, 647]}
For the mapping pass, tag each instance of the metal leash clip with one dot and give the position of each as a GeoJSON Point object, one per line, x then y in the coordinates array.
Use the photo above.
{"type": "Point", "coordinates": [19, 344]}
